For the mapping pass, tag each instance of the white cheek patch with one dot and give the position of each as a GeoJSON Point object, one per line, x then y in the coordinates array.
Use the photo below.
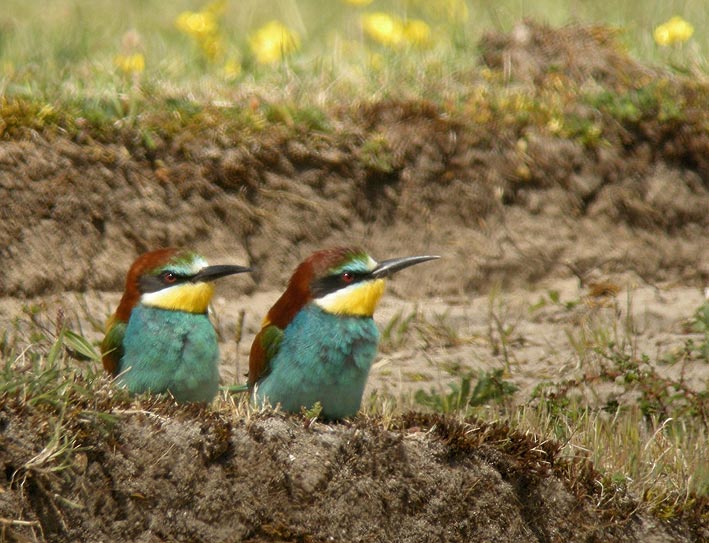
{"type": "Point", "coordinates": [197, 264]}
{"type": "Point", "coordinates": [157, 298]}
{"type": "Point", "coordinates": [338, 297]}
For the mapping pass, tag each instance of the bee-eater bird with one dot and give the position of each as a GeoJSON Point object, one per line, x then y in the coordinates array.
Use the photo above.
{"type": "Point", "coordinates": [318, 342]}
{"type": "Point", "coordinates": [160, 338]}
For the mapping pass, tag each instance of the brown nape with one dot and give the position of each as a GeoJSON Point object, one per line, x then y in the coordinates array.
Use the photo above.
{"type": "Point", "coordinates": [143, 264]}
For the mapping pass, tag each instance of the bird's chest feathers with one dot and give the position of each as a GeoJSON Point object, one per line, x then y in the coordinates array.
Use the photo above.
{"type": "Point", "coordinates": [154, 332]}
{"type": "Point", "coordinates": [170, 350]}
{"type": "Point", "coordinates": [319, 341]}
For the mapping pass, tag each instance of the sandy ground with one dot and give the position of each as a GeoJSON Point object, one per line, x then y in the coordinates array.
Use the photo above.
{"type": "Point", "coordinates": [452, 336]}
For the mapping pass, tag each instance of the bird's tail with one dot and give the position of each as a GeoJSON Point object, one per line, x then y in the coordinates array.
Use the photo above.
{"type": "Point", "coordinates": [236, 389]}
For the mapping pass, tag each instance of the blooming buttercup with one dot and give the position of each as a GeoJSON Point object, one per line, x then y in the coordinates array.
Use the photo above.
{"type": "Point", "coordinates": [417, 32]}
{"type": "Point", "coordinates": [197, 24]}
{"type": "Point", "coordinates": [676, 30]}
{"type": "Point", "coordinates": [383, 28]}
{"type": "Point", "coordinates": [272, 42]}
{"type": "Point", "coordinates": [130, 64]}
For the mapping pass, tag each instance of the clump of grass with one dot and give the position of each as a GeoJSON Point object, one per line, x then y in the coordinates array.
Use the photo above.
{"type": "Point", "coordinates": [376, 154]}
{"type": "Point", "coordinates": [416, 329]}
{"type": "Point", "coordinates": [646, 434]}
{"type": "Point", "coordinates": [657, 100]}
{"type": "Point", "coordinates": [490, 388]}
{"type": "Point", "coordinates": [553, 299]}
{"type": "Point", "coordinates": [48, 366]}
{"type": "Point", "coordinates": [49, 375]}
{"type": "Point", "coordinates": [502, 329]}
{"type": "Point", "coordinates": [644, 431]}
{"type": "Point", "coordinates": [699, 349]}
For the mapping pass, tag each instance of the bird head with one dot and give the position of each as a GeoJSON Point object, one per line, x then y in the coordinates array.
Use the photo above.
{"type": "Point", "coordinates": [341, 281]}
{"type": "Point", "coordinates": [172, 279]}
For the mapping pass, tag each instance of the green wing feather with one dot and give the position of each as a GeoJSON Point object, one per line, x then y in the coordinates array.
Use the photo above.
{"type": "Point", "coordinates": [112, 346]}
{"type": "Point", "coordinates": [265, 346]}
{"type": "Point", "coordinates": [271, 340]}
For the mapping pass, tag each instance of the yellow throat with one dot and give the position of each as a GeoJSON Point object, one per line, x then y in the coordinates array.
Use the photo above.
{"type": "Point", "coordinates": [188, 297]}
{"type": "Point", "coordinates": [358, 300]}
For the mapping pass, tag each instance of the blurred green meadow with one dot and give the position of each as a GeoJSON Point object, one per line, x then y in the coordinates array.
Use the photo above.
{"type": "Point", "coordinates": [311, 51]}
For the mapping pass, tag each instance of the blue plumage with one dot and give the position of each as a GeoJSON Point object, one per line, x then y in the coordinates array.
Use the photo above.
{"type": "Point", "coordinates": [322, 357]}
{"type": "Point", "coordinates": [170, 351]}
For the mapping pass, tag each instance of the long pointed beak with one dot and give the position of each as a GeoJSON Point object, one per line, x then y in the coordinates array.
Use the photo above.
{"type": "Point", "coordinates": [393, 265]}
{"type": "Point", "coordinates": [210, 273]}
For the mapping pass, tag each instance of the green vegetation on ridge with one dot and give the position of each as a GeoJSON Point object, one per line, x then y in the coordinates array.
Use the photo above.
{"type": "Point", "coordinates": [122, 55]}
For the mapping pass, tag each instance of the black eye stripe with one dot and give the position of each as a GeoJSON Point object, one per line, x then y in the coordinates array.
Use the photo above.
{"type": "Point", "coordinates": [153, 283]}
{"type": "Point", "coordinates": [326, 285]}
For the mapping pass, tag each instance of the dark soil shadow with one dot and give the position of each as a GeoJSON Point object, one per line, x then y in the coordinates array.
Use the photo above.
{"type": "Point", "coordinates": [186, 474]}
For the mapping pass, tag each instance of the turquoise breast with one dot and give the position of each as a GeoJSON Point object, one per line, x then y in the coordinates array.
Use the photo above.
{"type": "Point", "coordinates": [322, 358]}
{"type": "Point", "coordinates": [170, 351]}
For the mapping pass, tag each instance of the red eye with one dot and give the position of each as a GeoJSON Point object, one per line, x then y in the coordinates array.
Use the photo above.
{"type": "Point", "coordinates": [347, 277]}
{"type": "Point", "coordinates": [169, 277]}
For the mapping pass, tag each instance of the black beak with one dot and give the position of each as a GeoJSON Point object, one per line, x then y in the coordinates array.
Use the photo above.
{"type": "Point", "coordinates": [393, 265]}
{"type": "Point", "coordinates": [210, 273]}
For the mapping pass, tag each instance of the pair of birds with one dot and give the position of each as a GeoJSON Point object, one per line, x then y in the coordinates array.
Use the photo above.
{"type": "Point", "coordinates": [316, 344]}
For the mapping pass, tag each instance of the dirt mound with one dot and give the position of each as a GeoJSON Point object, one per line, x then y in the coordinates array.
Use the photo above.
{"type": "Point", "coordinates": [532, 51]}
{"type": "Point", "coordinates": [78, 214]}
{"type": "Point", "coordinates": [204, 476]}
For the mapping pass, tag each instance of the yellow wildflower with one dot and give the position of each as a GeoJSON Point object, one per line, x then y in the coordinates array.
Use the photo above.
{"type": "Point", "coordinates": [676, 30]}
{"type": "Point", "coordinates": [417, 32]}
{"type": "Point", "coordinates": [523, 172]}
{"type": "Point", "coordinates": [359, 2]}
{"type": "Point", "coordinates": [383, 28]}
{"type": "Point", "coordinates": [196, 24]}
{"type": "Point", "coordinates": [212, 47]}
{"type": "Point", "coordinates": [231, 69]}
{"type": "Point", "coordinates": [272, 42]}
{"type": "Point", "coordinates": [130, 64]}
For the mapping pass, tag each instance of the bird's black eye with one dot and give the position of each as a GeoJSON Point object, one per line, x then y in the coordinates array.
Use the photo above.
{"type": "Point", "coordinates": [347, 277]}
{"type": "Point", "coordinates": [168, 277]}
